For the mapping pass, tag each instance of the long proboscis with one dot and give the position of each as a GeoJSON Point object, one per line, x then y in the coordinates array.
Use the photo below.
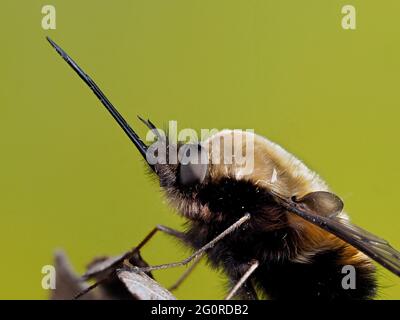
{"type": "Point", "coordinates": [104, 100]}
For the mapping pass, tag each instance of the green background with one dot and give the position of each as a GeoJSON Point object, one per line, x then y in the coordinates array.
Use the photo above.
{"type": "Point", "coordinates": [71, 179]}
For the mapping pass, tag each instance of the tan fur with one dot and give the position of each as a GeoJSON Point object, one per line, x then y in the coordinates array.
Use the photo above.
{"type": "Point", "coordinates": [292, 178]}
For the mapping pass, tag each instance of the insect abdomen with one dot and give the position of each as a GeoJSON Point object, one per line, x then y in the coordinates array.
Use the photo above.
{"type": "Point", "coordinates": [324, 278]}
{"type": "Point", "coordinates": [279, 276]}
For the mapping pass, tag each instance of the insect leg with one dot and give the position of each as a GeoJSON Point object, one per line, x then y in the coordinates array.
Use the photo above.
{"type": "Point", "coordinates": [149, 236]}
{"type": "Point", "coordinates": [246, 291]}
{"type": "Point", "coordinates": [199, 253]}
{"type": "Point", "coordinates": [129, 255]}
{"type": "Point", "coordinates": [253, 266]}
{"type": "Point", "coordinates": [90, 288]}
{"type": "Point", "coordinates": [185, 274]}
{"type": "Point", "coordinates": [161, 228]}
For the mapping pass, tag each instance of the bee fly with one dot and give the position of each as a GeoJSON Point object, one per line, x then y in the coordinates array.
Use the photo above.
{"type": "Point", "coordinates": [283, 238]}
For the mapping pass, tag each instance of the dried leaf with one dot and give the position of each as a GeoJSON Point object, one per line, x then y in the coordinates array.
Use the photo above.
{"type": "Point", "coordinates": [115, 283]}
{"type": "Point", "coordinates": [142, 286]}
{"type": "Point", "coordinates": [101, 267]}
{"type": "Point", "coordinates": [68, 283]}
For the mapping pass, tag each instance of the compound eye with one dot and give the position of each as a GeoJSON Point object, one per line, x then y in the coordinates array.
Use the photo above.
{"type": "Point", "coordinates": [193, 164]}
